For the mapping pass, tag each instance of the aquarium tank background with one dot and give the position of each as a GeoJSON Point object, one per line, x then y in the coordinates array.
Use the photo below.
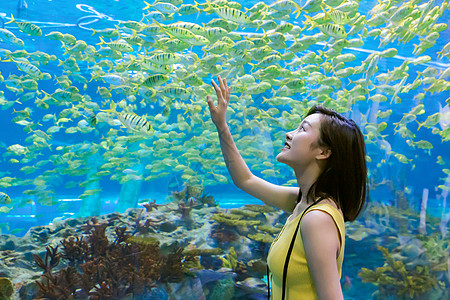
{"type": "Point", "coordinates": [112, 181]}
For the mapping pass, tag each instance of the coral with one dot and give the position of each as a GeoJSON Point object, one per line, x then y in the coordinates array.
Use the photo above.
{"type": "Point", "coordinates": [185, 209]}
{"type": "Point", "coordinates": [6, 288]}
{"type": "Point", "coordinates": [51, 260]}
{"type": "Point", "coordinates": [172, 270]}
{"type": "Point", "coordinates": [149, 206]}
{"type": "Point", "coordinates": [100, 269]}
{"type": "Point", "coordinates": [394, 278]}
{"type": "Point", "coordinates": [143, 241]}
{"type": "Point", "coordinates": [144, 228]}
{"type": "Point", "coordinates": [241, 271]}
{"type": "Point", "coordinates": [224, 235]}
{"type": "Point", "coordinates": [246, 213]}
{"type": "Point", "coordinates": [233, 220]}
{"type": "Point", "coordinates": [259, 208]}
{"type": "Point", "coordinates": [230, 259]}
{"type": "Point", "coordinates": [437, 249]}
{"type": "Point", "coordinates": [269, 229]}
{"type": "Point", "coordinates": [261, 237]}
{"type": "Point", "coordinates": [200, 251]}
{"type": "Point", "coordinates": [257, 268]}
{"type": "Point", "coordinates": [75, 249]}
{"type": "Point", "coordinates": [207, 200]}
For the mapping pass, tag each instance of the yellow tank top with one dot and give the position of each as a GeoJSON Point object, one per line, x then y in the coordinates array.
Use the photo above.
{"type": "Point", "coordinates": [299, 283]}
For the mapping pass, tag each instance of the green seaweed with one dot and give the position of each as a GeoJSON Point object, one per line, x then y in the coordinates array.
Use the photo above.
{"type": "Point", "coordinates": [261, 237]}
{"type": "Point", "coordinates": [202, 251]}
{"type": "Point", "coordinates": [259, 208]}
{"type": "Point", "coordinates": [243, 212]}
{"type": "Point", "coordinates": [394, 278]}
{"type": "Point", "coordinates": [233, 220]}
{"type": "Point", "coordinates": [269, 229]}
{"type": "Point", "coordinates": [143, 241]}
{"type": "Point", "coordinates": [230, 259]}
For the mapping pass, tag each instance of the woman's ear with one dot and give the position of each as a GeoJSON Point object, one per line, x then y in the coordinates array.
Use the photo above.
{"type": "Point", "coordinates": [325, 153]}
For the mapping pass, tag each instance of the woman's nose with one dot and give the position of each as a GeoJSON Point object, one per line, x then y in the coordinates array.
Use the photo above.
{"type": "Point", "coordinates": [288, 136]}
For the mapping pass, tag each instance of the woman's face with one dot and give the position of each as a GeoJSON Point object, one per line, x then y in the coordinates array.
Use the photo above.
{"type": "Point", "coordinates": [301, 147]}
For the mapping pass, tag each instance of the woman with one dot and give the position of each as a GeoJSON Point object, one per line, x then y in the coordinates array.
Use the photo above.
{"type": "Point", "coordinates": [327, 154]}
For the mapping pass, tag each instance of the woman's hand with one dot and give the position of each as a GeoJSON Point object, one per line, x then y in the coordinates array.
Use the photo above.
{"type": "Point", "coordinates": [218, 113]}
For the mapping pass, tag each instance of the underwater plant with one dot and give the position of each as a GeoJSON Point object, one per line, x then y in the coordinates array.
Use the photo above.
{"type": "Point", "coordinates": [100, 269]}
{"type": "Point", "coordinates": [51, 260]}
{"type": "Point", "coordinates": [144, 227]}
{"type": "Point", "coordinates": [394, 278]}
{"type": "Point", "coordinates": [149, 206]}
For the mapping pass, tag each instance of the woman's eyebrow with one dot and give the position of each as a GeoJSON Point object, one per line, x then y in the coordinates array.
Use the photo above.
{"type": "Point", "coordinates": [306, 122]}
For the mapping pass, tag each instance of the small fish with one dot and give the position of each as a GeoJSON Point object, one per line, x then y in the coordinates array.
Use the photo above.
{"type": "Point", "coordinates": [229, 14]}
{"type": "Point", "coordinates": [131, 120]}
{"type": "Point", "coordinates": [26, 27]}
{"type": "Point", "coordinates": [164, 58]}
{"type": "Point", "coordinates": [188, 9]}
{"type": "Point", "coordinates": [4, 198]}
{"type": "Point", "coordinates": [90, 117]}
{"type": "Point", "coordinates": [25, 66]}
{"type": "Point", "coordinates": [337, 16]}
{"type": "Point", "coordinates": [155, 80]}
{"type": "Point", "coordinates": [55, 35]}
{"type": "Point", "coordinates": [163, 7]}
{"type": "Point", "coordinates": [113, 79]}
{"type": "Point", "coordinates": [431, 121]}
{"type": "Point", "coordinates": [333, 30]}
{"type": "Point", "coordinates": [117, 46]}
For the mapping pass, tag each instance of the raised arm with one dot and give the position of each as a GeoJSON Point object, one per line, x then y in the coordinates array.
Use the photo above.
{"type": "Point", "coordinates": [271, 194]}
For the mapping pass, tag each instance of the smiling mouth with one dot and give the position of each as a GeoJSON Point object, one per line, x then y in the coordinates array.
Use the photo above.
{"type": "Point", "coordinates": [286, 145]}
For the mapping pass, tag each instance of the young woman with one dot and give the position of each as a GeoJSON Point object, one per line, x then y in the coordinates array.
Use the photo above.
{"type": "Point", "coordinates": [327, 154]}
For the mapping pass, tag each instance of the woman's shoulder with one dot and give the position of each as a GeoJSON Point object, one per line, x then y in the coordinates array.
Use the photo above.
{"type": "Point", "coordinates": [329, 206]}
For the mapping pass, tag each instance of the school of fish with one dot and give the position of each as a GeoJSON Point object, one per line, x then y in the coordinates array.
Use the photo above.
{"type": "Point", "coordinates": [149, 117]}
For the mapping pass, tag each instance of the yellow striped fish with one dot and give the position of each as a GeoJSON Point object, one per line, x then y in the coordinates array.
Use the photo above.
{"type": "Point", "coordinates": [333, 30]}
{"type": "Point", "coordinates": [269, 60]}
{"type": "Point", "coordinates": [28, 68]}
{"type": "Point", "coordinates": [26, 27]}
{"type": "Point", "coordinates": [4, 198]}
{"type": "Point", "coordinates": [163, 7]}
{"type": "Point", "coordinates": [192, 27]}
{"type": "Point", "coordinates": [164, 59]}
{"type": "Point", "coordinates": [117, 46]}
{"type": "Point", "coordinates": [281, 5]}
{"type": "Point", "coordinates": [229, 13]}
{"type": "Point", "coordinates": [215, 33]}
{"type": "Point", "coordinates": [198, 40]}
{"type": "Point", "coordinates": [7, 35]}
{"type": "Point", "coordinates": [131, 120]}
{"type": "Point", "coordinates": [176, 92]}
{"type": "Point", "coordinates": [178, 32]}
{"type": "Point", "coordinates": [148, 65]}
{"type": "Point", "coordinates": [155, 80]}
{"type": "Point", "coordinates": [337, 16]}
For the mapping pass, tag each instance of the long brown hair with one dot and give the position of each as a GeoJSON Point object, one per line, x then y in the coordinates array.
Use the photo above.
{"type": "Point", "coordinates": [344, 179]}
